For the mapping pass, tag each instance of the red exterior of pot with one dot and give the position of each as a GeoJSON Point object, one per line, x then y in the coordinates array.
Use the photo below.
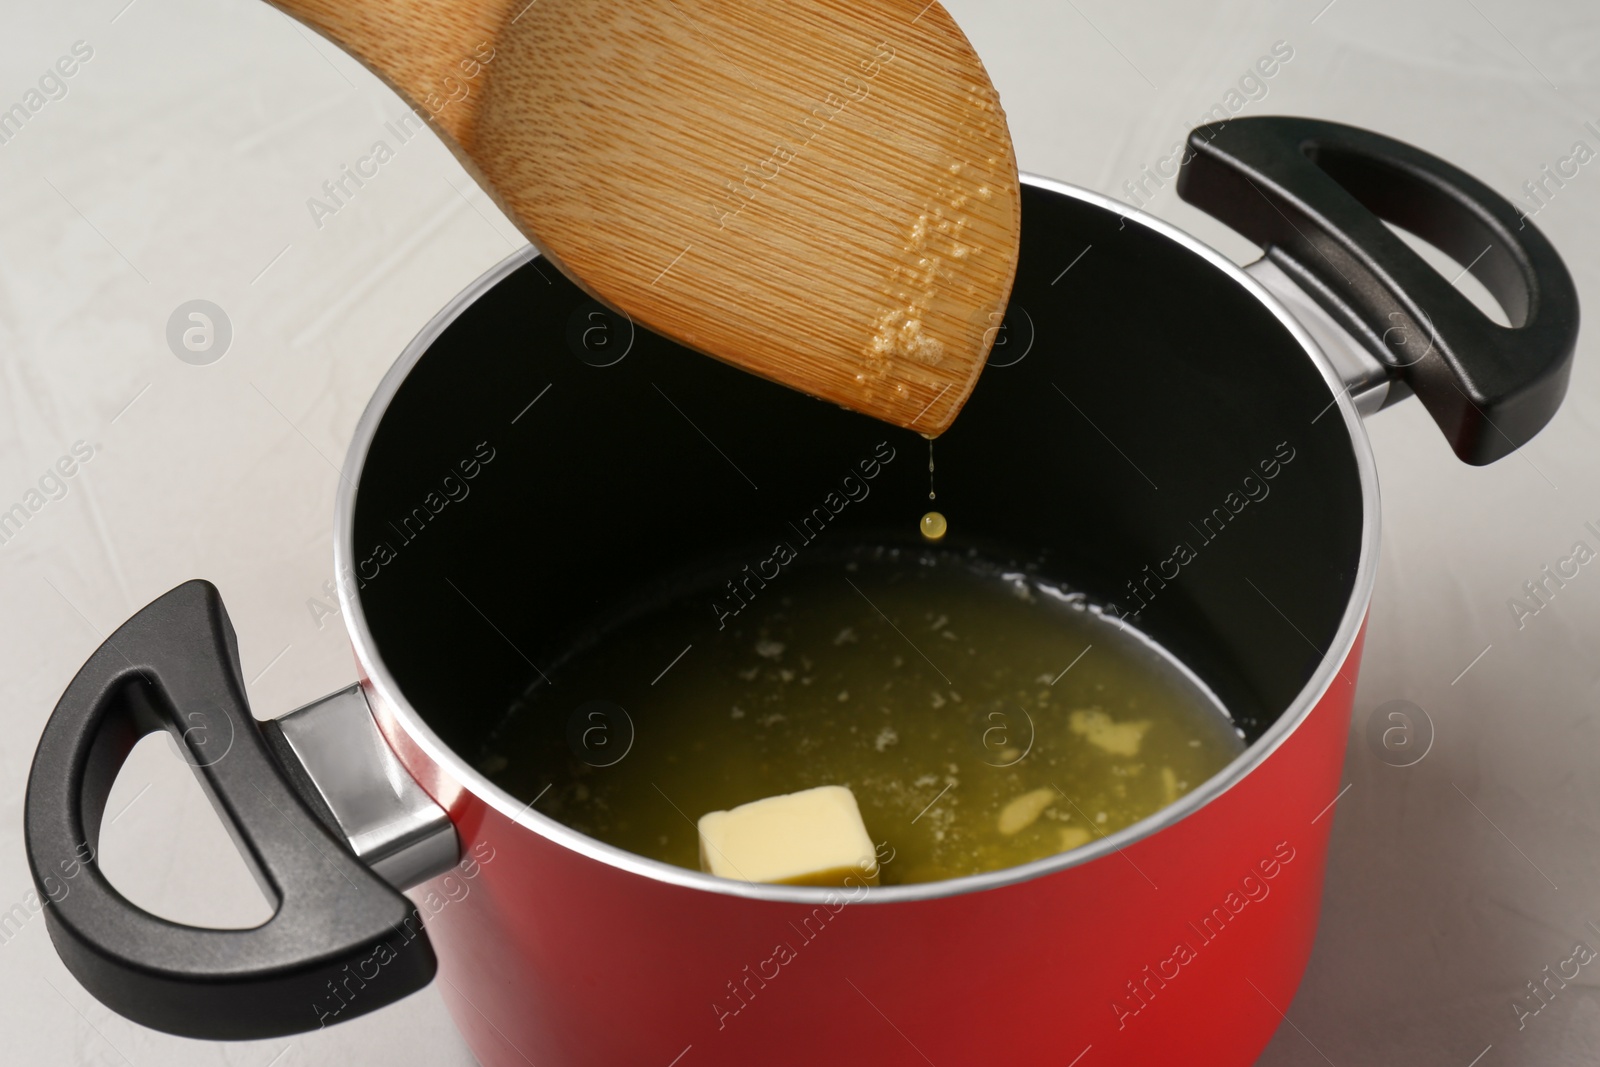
{"type": "Point", "coordinates": [1187, 946]}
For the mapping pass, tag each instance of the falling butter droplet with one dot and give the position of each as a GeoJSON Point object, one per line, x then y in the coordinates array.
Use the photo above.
{"type": "Point", "coordinates": [934, 526]}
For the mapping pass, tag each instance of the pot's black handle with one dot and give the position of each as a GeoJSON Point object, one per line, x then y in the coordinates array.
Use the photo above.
{"type": "Point", "coordinates": [1312, 195]}
{"type": "Point", "coordinates": [340, 942]}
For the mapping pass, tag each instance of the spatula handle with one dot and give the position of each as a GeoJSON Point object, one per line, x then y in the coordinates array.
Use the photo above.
{"type": "Point", "coordinates": [432, 52]}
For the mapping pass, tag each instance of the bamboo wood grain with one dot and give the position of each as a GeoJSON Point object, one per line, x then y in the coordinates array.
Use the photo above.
{"type": "Point", "coordinates": [822, 192]}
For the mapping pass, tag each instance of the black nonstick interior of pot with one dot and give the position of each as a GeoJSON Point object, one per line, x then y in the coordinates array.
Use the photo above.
{"type": "Point", "coordinates": [1137, 403]}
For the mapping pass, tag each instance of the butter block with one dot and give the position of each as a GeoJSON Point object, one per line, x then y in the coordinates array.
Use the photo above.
{"type": "Point", "coordinates": [1117, 738]}
{"type": "Point", "coordinates": [813, 837]}
{"type": "Point", "coordinates": [1072, 837]}
{"type": "Point", "coordinates": [1025, 810]}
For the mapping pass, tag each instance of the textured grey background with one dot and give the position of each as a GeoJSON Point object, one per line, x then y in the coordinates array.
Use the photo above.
{"type": "Point", "coordinates": [177, 167]}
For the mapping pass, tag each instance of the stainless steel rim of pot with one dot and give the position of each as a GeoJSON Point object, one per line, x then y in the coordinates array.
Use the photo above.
{"type": "Point", "coordinates": [387, 690]}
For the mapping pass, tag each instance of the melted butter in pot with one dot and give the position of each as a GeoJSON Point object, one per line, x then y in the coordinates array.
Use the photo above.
{"type": "Point", "coordinates": [981, 719]}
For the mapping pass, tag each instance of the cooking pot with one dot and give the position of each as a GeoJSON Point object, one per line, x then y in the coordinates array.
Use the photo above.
{"type": "Point", "coordinates": [1175, 437]}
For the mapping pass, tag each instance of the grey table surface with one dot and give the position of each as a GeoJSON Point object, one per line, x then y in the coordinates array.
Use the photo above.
{"type": "Point", "coordinates": [176, 164]}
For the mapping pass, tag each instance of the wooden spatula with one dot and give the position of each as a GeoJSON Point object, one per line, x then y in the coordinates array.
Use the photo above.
{"type": "Point", "coordinates": [822, 192]}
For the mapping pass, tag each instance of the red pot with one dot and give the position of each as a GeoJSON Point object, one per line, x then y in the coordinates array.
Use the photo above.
{"type": "Point", "coordinates": [1172, 439]}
